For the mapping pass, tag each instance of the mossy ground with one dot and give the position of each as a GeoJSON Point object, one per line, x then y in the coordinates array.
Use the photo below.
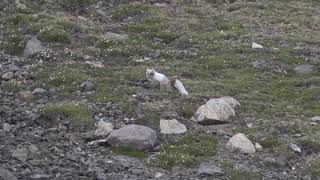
{"type": "Point", "coordinates": [207, 44]}
{"type": "Point", "coordinates": [78, 114]}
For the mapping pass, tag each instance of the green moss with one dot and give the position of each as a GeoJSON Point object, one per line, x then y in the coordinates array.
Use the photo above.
{"type": "Point", "coordinates": [269, 142]}
{"type": "Point", "coordinates": [66, 80]}
{"type": "Point", "coordinates": [14, 42]}
{"type": "Point", "coordinates": [55, 34]}
{"type": "Point", "coordinates": [22, 19]}
{"type": "Point", "coordinates": [79, 114]}
{"type": "Point", "coordinates": [75, 3]}
{"type": "Point", "coordinates": [126, 10]}
{"type": "Point", "coordinates": [186, 151]}
{"type": "Point", "coordinates": [128, 152]}
{"type": "Point", "coordinates": [313, 169]}
{"type": "Point", "coordinates": [109, 44]}
{"type": "Point", "coordinates": [142, 27]}
{"type": "Point", "coordinates": [11, 86]}
{"type": "Point", "coordinates": [244, 175]}
{"type": "Point", "coordinates": [234, 26]}
{"type": "Point", "coordinates": [165, 36]}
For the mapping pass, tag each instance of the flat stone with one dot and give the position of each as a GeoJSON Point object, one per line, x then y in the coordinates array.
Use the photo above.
{"type": "Point", "coordinates": [304, 69]}
{"type": "Point", "coordinates": [256, 46]}
{"type": "Point", "coordinates": [21, 154]}
{"type": "Point", "coordinates": [209, 169]}
{"type": "Point", "coordinates": [39, 91]}
{"type": "Point", "coordinates": [116, 36]}
{"type": "Point", "coordinates": [172, 127]}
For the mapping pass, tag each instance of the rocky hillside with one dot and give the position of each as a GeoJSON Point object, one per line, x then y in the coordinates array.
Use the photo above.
{"type": "Point", "coordinates": [75, 102]}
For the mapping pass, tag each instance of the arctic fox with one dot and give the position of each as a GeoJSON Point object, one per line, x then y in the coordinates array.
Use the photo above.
{"type": "Point", "coordinates": [161, 79]}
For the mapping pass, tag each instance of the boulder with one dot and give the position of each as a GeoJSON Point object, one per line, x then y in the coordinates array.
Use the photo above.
{"type": "Point", "coordinates": [33, 46]}
{"type": "Point", "coordinates": [133, 136]}
{"type": "Point", "coordinates": [216, 111]}
{"type": "Point", "coordinates": [172, 127]}
{"type": "Point", "coordinates": [242, 143]}
{"type": "Point", "coordinates": [7, 76]}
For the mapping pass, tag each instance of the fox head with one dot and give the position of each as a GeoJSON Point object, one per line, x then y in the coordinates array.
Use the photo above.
{"type": "Point", "coordinates": [150, 73]}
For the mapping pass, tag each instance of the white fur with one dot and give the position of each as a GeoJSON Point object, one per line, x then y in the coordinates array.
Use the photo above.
{"type": "Point", "coordinates": [179, 86]}
{"type": "Point", "coordinates": [156, 77]}
{"type": "Point", "coordinates": [163, 80]}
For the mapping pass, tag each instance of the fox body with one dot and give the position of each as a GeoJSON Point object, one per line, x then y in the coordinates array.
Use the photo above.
{"type": "Point", "coordinates": [162, 80]}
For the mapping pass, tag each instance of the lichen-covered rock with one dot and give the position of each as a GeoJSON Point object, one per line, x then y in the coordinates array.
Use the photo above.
{"type": "Point", "coordinates": [33, 46]}
{"type": "Point", "coordinates": [172, 127]}
{"type": "Point", "coordinates": [242, 143]}
{"type": "Point", "coordinates": [103, 128]}
{"type": "Point", "coordinates": [216, 111]}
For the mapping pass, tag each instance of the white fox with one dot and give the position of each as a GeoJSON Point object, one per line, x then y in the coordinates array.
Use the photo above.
{"type": "Point", "coordinates": [161, 79]}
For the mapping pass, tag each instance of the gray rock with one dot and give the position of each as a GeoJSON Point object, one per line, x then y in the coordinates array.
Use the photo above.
{"type": "Point", "coordinates": [25, 94]}
{"type": "Point", "coordinates": [216, 111]}
{"type": "Point", "coordinates": [33, 149]}
{"type": "Point", "coordinates": [256, 46]}
{"type": "Point", "coordinates": [316, 119]}
{"type": "Point", "coordinates": [103, 128]}
{"type": "Point", "coordinates": [258, 147]}
{"type": "Point", "coordinates": [13, 67]}
{"type": "Point", "coordinates": [40, 176]}
{"type": "Point", "coordinates": [160, 5]}
{"type": "Point", "coordinates": [97, 64]}
{"type": "Point", "coordinates": [39, 92]}
{"type": "Point", "coordinates": [209, 169]}
{"type": "Point", "coordinates": [242, 143]}
{"type": "Point", "coordinates": [87, 85]}
{"type": "Point", "coordinates": [6, 174]}
{"type": "Point", "coordinates": [304, 69]}
{"type": "Point", "coordinates": [125, 162]}
{"type": "Point", "coordinates": [7, 76]}
{"type": "Point", "coordinates": [133, 136]}
{"type": "Point", "coordinates": [6, 127]}
{"type": "Point", "coordinates": [21, 154]}
{"type": "Point", "coordinates": [172, 127]}
{"type": "Point", "coordinates": [295, 148]}
{"type": "Point", "coordinates": [116, 37]}
{"type": "Point", "coordinates": [33, 46]}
